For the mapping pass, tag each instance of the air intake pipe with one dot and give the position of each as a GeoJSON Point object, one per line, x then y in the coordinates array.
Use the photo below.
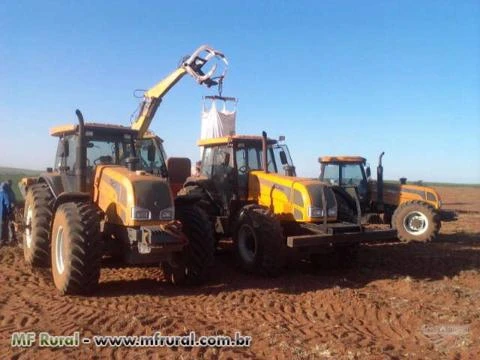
{"type": "Point", "coordinates": [81, 155]}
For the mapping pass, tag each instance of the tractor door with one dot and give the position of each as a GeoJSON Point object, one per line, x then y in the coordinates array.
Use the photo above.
{"type": "Point", "coordinates": [349, 176]}
{"type": "Point", "coordinates": [152, 156]}
{"type": "Point", "coordinates": [217, 166]}
{"type": "Point", "coordinates": [247, 157]}
{"type": "Point", "coordinates": [65, 162]}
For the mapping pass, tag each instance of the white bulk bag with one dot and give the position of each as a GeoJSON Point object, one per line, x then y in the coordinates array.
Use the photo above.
{"type": "Point", "coordinates": [217, 123]}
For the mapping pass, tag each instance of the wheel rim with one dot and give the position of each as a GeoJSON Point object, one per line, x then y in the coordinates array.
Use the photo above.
{"type": "Point", "coordinates": [415, 223]}
{"type": "Point", "coordinates": [247, 243]}
{"type": "Point", "coordinates": [28, 227]}
{"type": "Point", "coordinates": [59, 261]}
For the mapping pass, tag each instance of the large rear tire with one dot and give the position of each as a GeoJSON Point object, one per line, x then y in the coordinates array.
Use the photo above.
{"type": "Point", "coordinates": [37, 218]}
{"type": "Point", "coordinates": [76, 248]}
{"type": "Point", "coordinates": [416, 221]}
{"type": "Point", "coordinates": [193, 266]}
{"type": "Point", "coordinates": [259, 241]}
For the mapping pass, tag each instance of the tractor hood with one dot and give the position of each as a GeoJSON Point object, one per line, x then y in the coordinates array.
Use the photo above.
{"type": "Point", "coordinates": [293, 198]}
{"type": "Point", "coordinates": [132, 198]}
{"type": "Point", "coordinates": [395, 193]}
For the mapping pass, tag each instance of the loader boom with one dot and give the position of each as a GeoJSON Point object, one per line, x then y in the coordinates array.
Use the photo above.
{"type": "Point", "coordinates": [192, 65]}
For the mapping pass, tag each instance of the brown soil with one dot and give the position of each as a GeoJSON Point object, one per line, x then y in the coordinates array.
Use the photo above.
{"type": "Point", "coordinates": [378, 310]}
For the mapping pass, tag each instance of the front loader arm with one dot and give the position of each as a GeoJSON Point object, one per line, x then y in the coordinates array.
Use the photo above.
{"type": "Point", "coordinates": [192, 65]}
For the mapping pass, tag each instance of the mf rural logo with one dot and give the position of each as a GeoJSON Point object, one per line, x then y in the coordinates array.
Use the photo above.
{"type": "Point", "coordinates": [44, 339]}
{"type": "Point", "coordinates": [443, 336]}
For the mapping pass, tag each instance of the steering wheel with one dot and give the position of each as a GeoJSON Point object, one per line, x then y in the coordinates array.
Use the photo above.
{"type": "Point", "coordinates": [144, 163]}
{"type": "Point", "coordinates": [243, 169]}
{"type": "Point", "coordinates": [103, 159]}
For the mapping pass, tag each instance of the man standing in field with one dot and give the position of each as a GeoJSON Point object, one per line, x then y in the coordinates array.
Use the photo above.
{"type": "Point", "coordinates": [5, 208]}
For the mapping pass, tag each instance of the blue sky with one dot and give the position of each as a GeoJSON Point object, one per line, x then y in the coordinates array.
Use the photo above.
{"type": "Point", "coordinates": [334, 77]}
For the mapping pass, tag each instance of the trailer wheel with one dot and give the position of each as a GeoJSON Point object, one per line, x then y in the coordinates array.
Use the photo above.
{"type": "Point", "coordinates": [416, 221]}
{"type": "Point", "coordinates": [76, 248]}
{"type": "Point", "coordinates": [37, 218]}
{"type": "Point", "coordinates": [259, 241]}
{"type": "Point", "coordinates": [194, 264]}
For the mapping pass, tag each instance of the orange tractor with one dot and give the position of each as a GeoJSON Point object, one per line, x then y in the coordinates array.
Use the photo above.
{"type": "Point", "coordinates": [414, 211]}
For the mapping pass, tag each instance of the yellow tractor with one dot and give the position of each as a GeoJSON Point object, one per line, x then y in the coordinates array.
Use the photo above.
{"type": "Point", "coordinates": [249, 188]}
{"type": "Point", "coordinates": [96, 202]}
{"type": "Point", "coordinates": [413, 211]}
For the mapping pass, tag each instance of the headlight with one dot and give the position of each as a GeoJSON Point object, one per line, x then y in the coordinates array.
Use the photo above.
{"type": "Point", "coordinates": [331, 212]}
{"type": "Point", "coordinates": [139, 213]}
{"type": "Point", "coordinates": [167, 214]}
{"type": "Point", "coordinates": [315, 212]}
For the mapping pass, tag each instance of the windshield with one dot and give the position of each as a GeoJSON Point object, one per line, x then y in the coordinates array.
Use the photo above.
{"type": "Point", "coordinates": [249, 157]}
{"type": "Point", "coordinates": [343, 174]}
{"type": "Point", "coordinates": [101, 150]}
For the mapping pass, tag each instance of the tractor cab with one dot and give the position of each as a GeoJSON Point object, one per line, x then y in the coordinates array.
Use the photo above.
{"type": "Point", "coordinates": [348, 172]}
{"type": "Point", "coordinates": [105, 145]}
{"type": "Point", "coordinates": [228, 161]}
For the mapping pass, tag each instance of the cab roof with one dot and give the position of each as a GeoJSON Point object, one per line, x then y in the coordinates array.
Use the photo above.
{"type": "Point", "coordinates": [231, 139]}
{"type": "Point", "coordinates": [72, 128]}
{"type": "Point", "coordinates": [151, 135]}
{"type": "Point", "coordinates": [342, 159]}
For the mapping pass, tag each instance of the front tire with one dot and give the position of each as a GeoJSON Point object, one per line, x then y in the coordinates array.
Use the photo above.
{"type": "Point", "coordinates": [193, 265]}
{"type": "Point", "coordinates": [76, 248]}
{"type": "Point", "coordinates": [259, 241]}
{"type": "Point", "coordinates": [38, 218]}
{"type": "Point", "coordinates": [416, 221]}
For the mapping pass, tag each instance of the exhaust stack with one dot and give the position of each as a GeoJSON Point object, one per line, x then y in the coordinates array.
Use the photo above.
{"type": "Point", "coordinates": [264, 152]}
{"type": "Point", "coordinates": [380, 204]}
{"type": "Point", "coordinates": [81, 155]}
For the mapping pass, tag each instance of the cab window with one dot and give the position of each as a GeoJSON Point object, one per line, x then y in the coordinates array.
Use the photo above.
{"type": "Point", "coordinates": [351, 174]}
{"type": "Point", "coordinates": [331, 174]}
{"type": "Point", "coordinates": [155, 166]}
{"type": "Point", "coordinates": [207, 162]}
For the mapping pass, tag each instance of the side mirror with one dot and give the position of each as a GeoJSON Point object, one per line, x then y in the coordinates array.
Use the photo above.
{"type": "Point", "coordinates": [368, 171]}
{"type": "Point", "coordinates": [65, 148]}
{"type": "Point", "coordinates": [283, 158]}
{"type": "Point", "coordinates": [226, 160]}
{"type": "Point", "coordinates": [151, 153]}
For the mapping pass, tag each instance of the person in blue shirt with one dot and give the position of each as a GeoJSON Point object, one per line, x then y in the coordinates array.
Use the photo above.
{"type": "Point", "coordinates": [11, 215]}
{"type": "Point", "coordinates": [5, 208]}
